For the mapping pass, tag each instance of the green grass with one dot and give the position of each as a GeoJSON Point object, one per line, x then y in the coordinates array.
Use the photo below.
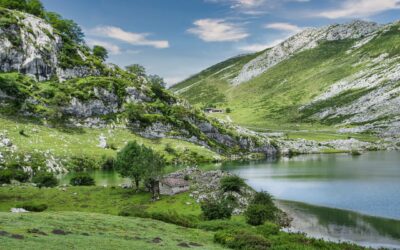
{"type": "Point", "coordinates": [93, 210]}
{"type": "Point", "coordinates": [97, 231]}
{"type": "Point", "coordinates": [95, 200]}
{"type": "Point", "coordinates": [85, 141]}
{"type": "Point", "coordinates": [272, 100]}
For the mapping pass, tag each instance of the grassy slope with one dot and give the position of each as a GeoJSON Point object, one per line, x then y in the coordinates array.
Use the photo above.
{"type": "Point", "coordinates": [104, 232]}
{"type": "Point", "coordinates": [271, 101]}
{"type": "Point", "coordinates": [95, 200]}
{"type": "Point", "coordinates": [92, 210]}
{"type": "Point", "coordinates": [210, 85]}
{"type": "Point", "coordinates": [85, 141]}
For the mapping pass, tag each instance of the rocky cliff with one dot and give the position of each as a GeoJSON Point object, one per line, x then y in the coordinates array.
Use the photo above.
{"type": "Point", "coordinates": [31, 46]}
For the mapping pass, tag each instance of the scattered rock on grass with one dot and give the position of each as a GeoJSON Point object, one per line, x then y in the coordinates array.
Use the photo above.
{"type": "Point", "coordinates": [36, 231]}
{"type": "Point", "coordinates": [4, 233]}
{"type": "Point", "coordinates": [157, 240]}
{"type": "Point", "coordinates": [17, 236]}
{"type": "Point", "coordinates": [184, 244]}
{"type": "Point", "coordinates": [59, 232]}
{"type": "Point", "coordinates": [195, 244]}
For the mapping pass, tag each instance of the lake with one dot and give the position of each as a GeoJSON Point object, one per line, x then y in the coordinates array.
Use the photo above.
{"type": "Point", "coordinates": [336, 197]}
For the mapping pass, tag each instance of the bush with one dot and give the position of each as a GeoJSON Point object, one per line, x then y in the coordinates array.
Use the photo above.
{"type": "Point", "coordinates": [257, 214]}
{"type": "Point", "coordinates": [108, 163]}
{"type": "Point", "coordinates": [45, 179]}
{"type": "Point", "coordinates": [34, 207]}
{"type": "Point", "coordinates": [232, 183]}
{"type": "Point", "coordinates": [355, 152]}
{"type": "Point", "coordinates": [169, 149]}
{"type": "Point", "coordinates": [21, 176]}
{"type": "Point", "coordinates": [82, 179]}
{"type": "Point", "coordinates": [263, 198]}
{"type": "Point", "coordinates": [81, 163]}
{"type": "Point", "coordinates": [268, 229]}
{"type": "Point", "coordinates": [241, 239]}
{"type": "Point", "coordinates": [5, 176]}
{"type": "Point", "coordinates": [214, 210]}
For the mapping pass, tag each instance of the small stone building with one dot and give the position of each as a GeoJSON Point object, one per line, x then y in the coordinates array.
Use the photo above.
{"type": "Point", "coordinates": [172, 186]}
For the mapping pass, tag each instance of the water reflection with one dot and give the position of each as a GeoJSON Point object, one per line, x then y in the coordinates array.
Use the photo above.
{"type": "Point", "coordinates": [341, 225]}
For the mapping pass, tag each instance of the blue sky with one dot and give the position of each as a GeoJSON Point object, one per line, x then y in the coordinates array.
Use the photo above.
{"type": "Point", "coordinates": [177, 38]}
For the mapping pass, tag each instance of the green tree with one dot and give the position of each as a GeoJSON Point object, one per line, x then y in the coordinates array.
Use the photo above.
{"type": "Point", "coordinates": [35, 7]}
{"type": "Point", "coordinates": [129, 162]}
{"type": "Point", "coordinates": [100, 52]}
{"type": "Point", "coordinates": [157, 80]}
{"type": "Point", "coordinates": [154, 165]}
{"type": "Point", "coordinates": [68, 28]}
{"type": "Point", "coordinates": [136, 69]}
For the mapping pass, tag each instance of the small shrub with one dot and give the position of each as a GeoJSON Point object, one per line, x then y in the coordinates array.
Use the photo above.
{"type": "Point", "coordinates": [257, 214]}
{"type": "Point", "coordinates": [232, 183]}
{"type": "Point", "coordinates": [82, 163]}
{"type": "Point", "coordinates": [186, 177]}
{"type": "Point", "coordinates": [169, 149]}
{"type": "Point", "coordinates": [355, 152]}
{"type": "Point", "coordinates": [82, 179]}
{"type": "Point", "coordinates": [22, 132]}
{"type": "Point", "coordinates": [34, 207]}
{"type": "Point", "coordinates": [108, 163]}
{"type": "Point", "coordinates": [45, 179]}
{"type": "Point", "coordinates": [242, 239]}
{"type": "Point", "coordinates": [214, 210]}
{"type": "Point", "coordinates": [21, 176]}
{"type": "Point", "coordinates": [263, 198]}
{"type": "Point", "coordinates": [5, 176]}
{"type": "Point", "coordinates": [112, 146]}
{"type": "Point", "coordinates": [268, 229]}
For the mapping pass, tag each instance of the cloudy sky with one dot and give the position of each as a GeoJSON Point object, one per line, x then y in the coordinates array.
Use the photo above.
{"type": "Point", "coordinates": [177, 38]}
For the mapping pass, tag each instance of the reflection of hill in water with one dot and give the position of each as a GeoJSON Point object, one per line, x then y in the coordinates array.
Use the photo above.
{"type": "Point", "coordinates": [336, 224]}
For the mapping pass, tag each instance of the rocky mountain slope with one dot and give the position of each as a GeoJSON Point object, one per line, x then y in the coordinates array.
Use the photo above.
{"type": "Point", "coordinates": [342, 78]}
{"type": "Point", "coordinates": [41, 85]}
{"type": "Point", "coordinates": [31, 45]}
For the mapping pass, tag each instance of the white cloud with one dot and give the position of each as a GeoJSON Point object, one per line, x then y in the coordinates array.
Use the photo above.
{"type": "Point", "coordinates": [254, 7]}
{"type": "Point", "coordinates": [360, 8]}
{"type": "Point", "coordinates": [247, 3]}
{"type": "Point", "coordinates": [284, 27]}
{"type": "Point", "coordinates": [218, 30]}
{"type": "Point", "coordinates": [260, 46]}
{"type": "Point", "coordinates": [112, 48]}
{"type": "Point", "coordinates": [129, 37]}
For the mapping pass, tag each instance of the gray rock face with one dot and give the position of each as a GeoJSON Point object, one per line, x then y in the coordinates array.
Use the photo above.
{"type": "Point", "coordinates": [307, 39]}
{"type": "Point", "coordinates": [104, 103]}
{"type": "Point", "coordinates": [31, 47]}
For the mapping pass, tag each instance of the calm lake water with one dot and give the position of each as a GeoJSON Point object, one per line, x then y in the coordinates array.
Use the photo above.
{"type": "Point", "coordinates": [336, 197]}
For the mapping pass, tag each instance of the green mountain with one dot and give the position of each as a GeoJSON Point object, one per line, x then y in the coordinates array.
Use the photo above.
{"type": "Point", "coordinates": [340, 79]}
{"type": "Point", "coordinates": [59, 100]}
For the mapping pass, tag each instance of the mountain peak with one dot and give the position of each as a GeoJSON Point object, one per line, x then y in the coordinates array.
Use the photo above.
{"type": "Point", "coordinates": [304, 40]}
